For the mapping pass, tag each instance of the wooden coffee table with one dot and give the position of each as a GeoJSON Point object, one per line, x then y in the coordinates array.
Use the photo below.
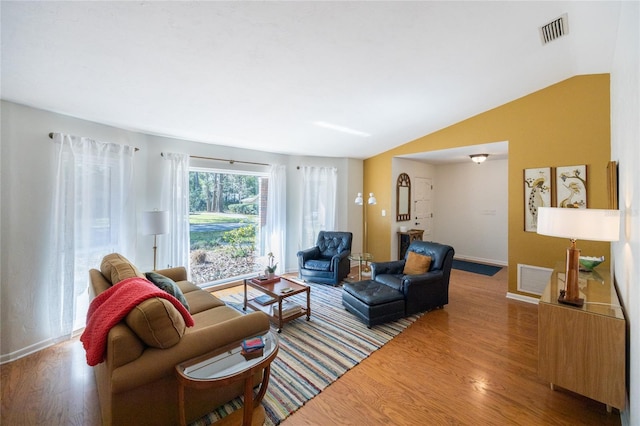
{"type": "Point", "coordinates": [279, 289]}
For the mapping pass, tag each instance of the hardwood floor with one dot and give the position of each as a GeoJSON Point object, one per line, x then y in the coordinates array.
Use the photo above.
{"type": "Point", "coordinates": [54, 386]}
{"type": "Point", "coordinates": [473, 362]}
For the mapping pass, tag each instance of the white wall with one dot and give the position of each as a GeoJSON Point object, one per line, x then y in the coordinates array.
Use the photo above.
{"type": "Point", "coordinates": [471, 209]}
{"type": "Point", "coordinates": [27, 174]}
{"type": "Point", "coordinates": [625, 148]}
{"type": "Point", "coordinates": [26, 188]}
{"type": "Point", "coordinates": [354, 213]}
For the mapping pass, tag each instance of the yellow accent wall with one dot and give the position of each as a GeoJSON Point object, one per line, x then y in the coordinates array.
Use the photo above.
{"type": "Point", "coordinates": [565, 124]}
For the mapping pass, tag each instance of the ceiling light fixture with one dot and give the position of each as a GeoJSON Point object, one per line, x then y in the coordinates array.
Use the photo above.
{"type": "Point", "coordinates": [478, 158]}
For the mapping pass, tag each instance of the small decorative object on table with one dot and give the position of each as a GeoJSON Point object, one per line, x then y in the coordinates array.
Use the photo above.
{"type": "Point", "coordinates": [252, 348]}
{"type": "Point", "coordinates": [270, 271]}
{"type": "Point", "coordinates": [263, 280]}
{"type": "Point", "coordinates": [288, 309]}
{"type": "Point", "coordinates": [265, 299]}
{"type": "Point", "coordinates": [587, 263]}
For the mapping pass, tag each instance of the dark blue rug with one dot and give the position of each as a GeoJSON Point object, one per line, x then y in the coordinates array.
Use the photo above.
{"type": "Point", "coordinates": [476, 268]}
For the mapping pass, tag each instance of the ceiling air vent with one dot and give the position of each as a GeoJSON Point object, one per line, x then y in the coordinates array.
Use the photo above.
{"type": "Point", "coordinates": [555, 29]}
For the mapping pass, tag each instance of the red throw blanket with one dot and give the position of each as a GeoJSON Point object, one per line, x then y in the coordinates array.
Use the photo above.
{"type": "Point", "coordinates": [112, 305]}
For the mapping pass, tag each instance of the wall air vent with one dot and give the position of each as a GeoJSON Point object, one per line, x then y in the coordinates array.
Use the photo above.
{"type": "Point", "coordinates": [555, 29]}
{"type": "Point", "coordinates": [533, 279]}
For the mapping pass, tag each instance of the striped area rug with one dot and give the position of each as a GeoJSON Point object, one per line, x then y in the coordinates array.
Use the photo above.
{"type": "Point", "coordinates": [313, 354]}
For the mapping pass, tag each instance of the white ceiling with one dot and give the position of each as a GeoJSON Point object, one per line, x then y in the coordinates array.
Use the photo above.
{"type": "Point", "coordinates": [273, 75]}
{"type": "Point", "coordinates": [495, 151]}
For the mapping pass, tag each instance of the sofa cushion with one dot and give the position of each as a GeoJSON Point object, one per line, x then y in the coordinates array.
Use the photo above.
{"type": "Point", "coordinates": [187, 287]}
{"type": "Point", "coordinates": [372, 292]}
{"type": "Point", "coordinates": [168, 285]}
{"type": "Point", "coordinates": [318, 265]}
{"type": "Point", "coordinates": [116, 268]}
{"type": "Point", "coordinates": [217, 316]}
{"type": "Point", "coordinates": [391, 280]}
{"type": "Point", "coordinates": [416, 264]}
{"type": "Point", "coordinates": [202, 300]}
{"type": "Point", "coordinates": [157, 323]}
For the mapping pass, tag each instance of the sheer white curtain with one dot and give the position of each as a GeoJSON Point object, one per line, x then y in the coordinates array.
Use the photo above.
{"type": "Point", "coordinates": [93, 214]}
{"type": "Point", "coordinates": [319, 193]}
{"type": "Point", "coordinates": [275, 229]}
{"type": "Point", "coordinates": [174, 250]}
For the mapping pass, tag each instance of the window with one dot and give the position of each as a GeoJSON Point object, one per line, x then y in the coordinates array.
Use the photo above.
{"type": "Point", "coordinates": [93, 214]}
{"type": "Point", "coordinates": [96, 212]}
{"type": "Point", "coordinates": [318, 202]}
{"type": "Point", "coordinates": [227, 211]}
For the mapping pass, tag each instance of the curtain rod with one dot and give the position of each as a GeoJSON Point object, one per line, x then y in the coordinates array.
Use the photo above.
{"type": "Point", "coordinates": [227, 161]}
{"type": "Point", "coordinates": [51, 137]}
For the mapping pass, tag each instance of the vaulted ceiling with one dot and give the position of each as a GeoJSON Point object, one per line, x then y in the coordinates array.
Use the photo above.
{"type": "Point", "coordinates": [339, 79]}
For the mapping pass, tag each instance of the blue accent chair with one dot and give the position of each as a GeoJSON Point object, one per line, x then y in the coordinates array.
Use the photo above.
{"type": "Point", "coordinates": [422, 292]}
{"type": "Point", "coordinates": [328, 261]}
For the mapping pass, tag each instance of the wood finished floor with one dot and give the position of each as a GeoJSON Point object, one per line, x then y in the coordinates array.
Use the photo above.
{"type": "Point", "coordinates": [472, 363]}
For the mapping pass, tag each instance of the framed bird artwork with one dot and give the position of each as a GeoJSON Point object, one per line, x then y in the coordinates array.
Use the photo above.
{"type": "Point", "coordinates": [571, 187]}
{"type": "Point", "coordinates": [537, 193]}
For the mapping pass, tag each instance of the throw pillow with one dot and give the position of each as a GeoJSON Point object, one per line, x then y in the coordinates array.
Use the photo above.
{"type": "Point", "coordinates": [116, 268]}
{"type": "Point", "coordinates": [416, 264]}
{"type": "Point", "coordinates": [157, 323]}
{"type": "Point", "coordinates": [168, 285]}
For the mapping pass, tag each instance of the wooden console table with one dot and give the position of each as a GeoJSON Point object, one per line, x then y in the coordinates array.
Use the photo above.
{"type": "Point", "coordinates": [583, 349]}
{"type": "Point", "coordinates": [406, 238]}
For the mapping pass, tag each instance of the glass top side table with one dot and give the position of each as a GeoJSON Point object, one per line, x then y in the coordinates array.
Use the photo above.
{"type": "Point", "coordinates": [362, 257]}
{"type": "Point", "coordinates": [225, 366]}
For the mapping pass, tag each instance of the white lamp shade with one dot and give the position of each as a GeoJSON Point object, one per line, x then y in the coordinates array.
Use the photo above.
{"type": "Point", "coordinates": [579, 224]}
{"type": "Point", "coordinates": [155, 223]}
{"type": "Point", "coordinates": [359, 199]}
{"type": "Point", "coordinates": [372, 200]}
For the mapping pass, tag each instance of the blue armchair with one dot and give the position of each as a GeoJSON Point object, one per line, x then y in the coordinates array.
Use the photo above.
{"type": "Point", "coordinates": [328, 261]}
{"type": "Point", "coordinates": [424, 291]}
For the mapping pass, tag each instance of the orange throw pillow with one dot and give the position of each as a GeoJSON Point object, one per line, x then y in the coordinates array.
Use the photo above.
{"type": "Point", "coordinates": [416, 264]}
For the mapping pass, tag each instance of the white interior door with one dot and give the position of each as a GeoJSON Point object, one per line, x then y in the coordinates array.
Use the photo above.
{"type": "Point", "coordinates": [423, 211]}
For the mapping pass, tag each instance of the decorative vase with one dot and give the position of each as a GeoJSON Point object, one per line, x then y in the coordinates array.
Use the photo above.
{"type": "Point", "coordinates": [271, 275]}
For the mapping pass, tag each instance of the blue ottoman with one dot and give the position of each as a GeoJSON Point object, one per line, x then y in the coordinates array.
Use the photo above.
{"type": "Point", "coordinates": [372, 302]}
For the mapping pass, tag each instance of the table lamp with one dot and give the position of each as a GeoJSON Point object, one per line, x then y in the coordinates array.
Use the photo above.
{"type": "Point", "coordinates": [155, 223]}
{"type": "Point", "coordinates": [583, 224]}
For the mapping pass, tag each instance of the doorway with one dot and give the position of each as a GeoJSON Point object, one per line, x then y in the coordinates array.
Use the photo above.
{"type": "Point", "coordinates": [423, 211]}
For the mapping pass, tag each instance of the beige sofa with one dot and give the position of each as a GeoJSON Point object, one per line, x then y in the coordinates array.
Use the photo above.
{"type": "Point", "coordinates": [136, 382]}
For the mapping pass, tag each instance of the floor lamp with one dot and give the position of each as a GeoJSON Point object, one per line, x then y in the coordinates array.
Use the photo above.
{"type": "Point", "coordinates": [575, 224]}
{"type": "Point", "coordinates": [360, 201]}
{"type": "Point", "coordinates": [155, 223]}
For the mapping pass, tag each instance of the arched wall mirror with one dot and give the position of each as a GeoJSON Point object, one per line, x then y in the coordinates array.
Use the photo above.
{"type": "Point", "coordinates": [403, 198]}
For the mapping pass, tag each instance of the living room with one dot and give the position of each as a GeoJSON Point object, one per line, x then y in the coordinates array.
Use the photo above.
{"type": "Point", "coordinates": [598, 111]}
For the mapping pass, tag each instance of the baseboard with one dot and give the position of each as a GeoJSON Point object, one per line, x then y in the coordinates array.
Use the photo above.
{"type": "Point", "coordinates": [522, 298]}
{"type": "Point", "coordinates": [5, 358]}
{"type": "Point", "coordinates": [31, 349]}
{"type": "Point", "coordinates": [481, 260]}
